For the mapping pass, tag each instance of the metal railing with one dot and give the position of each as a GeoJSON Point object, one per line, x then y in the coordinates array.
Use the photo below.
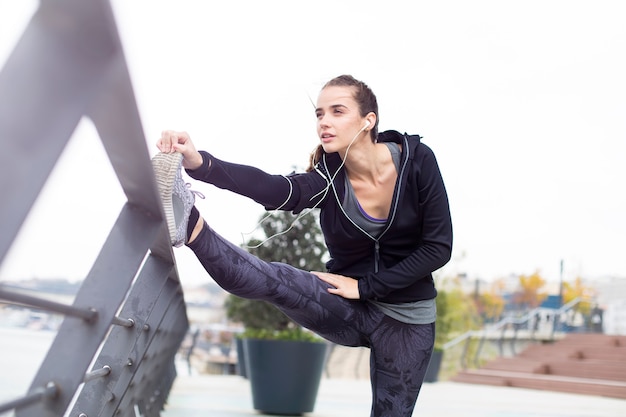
{"type": "Point", "coordinates": [113, 354]}
{"type": "Point", "coordinates": [509, 329]}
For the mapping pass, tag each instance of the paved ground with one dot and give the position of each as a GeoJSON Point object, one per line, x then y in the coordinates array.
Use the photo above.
{"type": "Point", "coordinates": [229, 396]}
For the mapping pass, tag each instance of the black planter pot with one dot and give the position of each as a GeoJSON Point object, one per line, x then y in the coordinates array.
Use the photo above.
{"type": "Point", "coordinates": [432, 372]}
{"type": "Point", "coordinates": [241, 359]}
{"type": "Point", "coordinates": [284, 375]}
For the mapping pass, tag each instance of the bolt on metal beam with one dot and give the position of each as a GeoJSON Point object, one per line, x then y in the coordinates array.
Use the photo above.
{"type": "Point", "coordinates": [118, 321]}
{"type": "Point", "coordinates": [98, 373]}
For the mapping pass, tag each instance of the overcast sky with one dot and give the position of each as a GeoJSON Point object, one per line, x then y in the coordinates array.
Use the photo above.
{"type": "Point", "coordinates": [523, 103]}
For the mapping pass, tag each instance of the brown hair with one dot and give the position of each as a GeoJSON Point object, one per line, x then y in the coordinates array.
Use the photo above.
{"type": "Point", "coordinates": [365, 98]}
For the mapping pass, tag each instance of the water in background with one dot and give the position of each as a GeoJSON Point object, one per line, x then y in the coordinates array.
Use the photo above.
{"type": "Point", "coordinates": [22, 351]}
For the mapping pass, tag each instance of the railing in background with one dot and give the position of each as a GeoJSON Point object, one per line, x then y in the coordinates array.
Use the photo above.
{"type": "Point", "coordinates": [510, 329]}
{"type": "Point", "coordinates": [114, 351]}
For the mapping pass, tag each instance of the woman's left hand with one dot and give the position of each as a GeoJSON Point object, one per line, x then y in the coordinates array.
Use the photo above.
{"type": "Point", "coordinates": [345, 287]}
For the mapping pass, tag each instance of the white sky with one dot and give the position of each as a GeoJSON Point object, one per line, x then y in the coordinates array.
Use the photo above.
{"type": "Point", "coordinates": [523, 102]}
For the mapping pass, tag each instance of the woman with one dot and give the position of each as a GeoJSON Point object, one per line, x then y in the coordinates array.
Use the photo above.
{"type": "Point", "coordinates": [386, 221]}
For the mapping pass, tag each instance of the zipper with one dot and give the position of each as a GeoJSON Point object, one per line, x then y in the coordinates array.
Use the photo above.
{"type": "Point", "coordinates": [392, 214]}
{"type": "Point", "coordinates": [376, 255]}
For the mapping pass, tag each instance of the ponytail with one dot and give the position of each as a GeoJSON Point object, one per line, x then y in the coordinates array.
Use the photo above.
{"type": "Point", "coordinates": [315, 157]}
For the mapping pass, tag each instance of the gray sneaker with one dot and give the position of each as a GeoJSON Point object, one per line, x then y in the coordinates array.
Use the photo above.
{"type": "Point", "coordinates": [175, 194]}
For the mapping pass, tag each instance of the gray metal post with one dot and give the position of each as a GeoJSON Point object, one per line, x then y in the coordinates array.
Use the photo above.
{"type": "Point", "coordinates": [72, 52]}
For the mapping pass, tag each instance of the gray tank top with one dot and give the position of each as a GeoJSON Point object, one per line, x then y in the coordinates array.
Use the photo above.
{"type": "Point", "coordinates": [354, 210]}
{"type": "Point", "coordinates": [417, 312]}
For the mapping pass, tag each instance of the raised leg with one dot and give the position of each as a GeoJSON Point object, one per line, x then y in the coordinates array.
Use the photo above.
{"type": "Point", "coordinates": [299, 294]}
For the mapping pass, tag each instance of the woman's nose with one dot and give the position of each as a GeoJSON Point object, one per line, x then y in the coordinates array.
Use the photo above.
{"type": "Point", "coordinates": [323, 122]}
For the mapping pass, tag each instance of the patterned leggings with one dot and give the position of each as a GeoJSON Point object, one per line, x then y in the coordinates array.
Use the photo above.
{"type": "Point", "coordinates": [400, 352]}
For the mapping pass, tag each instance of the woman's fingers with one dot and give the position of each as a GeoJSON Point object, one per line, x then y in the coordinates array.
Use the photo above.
{"type": "Point", "coordinates": [171, 140]}
{"type": "Point", "coordinates": [345, 287]}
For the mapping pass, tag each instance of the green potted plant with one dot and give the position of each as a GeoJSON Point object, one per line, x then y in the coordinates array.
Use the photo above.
{"type": "Point", "coordinates": [283, 361]}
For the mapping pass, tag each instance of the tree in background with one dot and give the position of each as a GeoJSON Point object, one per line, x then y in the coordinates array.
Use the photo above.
{"type": "Point", "coordinates": [456, 311]}
{"type": "Point", "coordinates": [530, 294]}
{"type": "Point", "coordinates": [456, 315]}
{"type": "Point", "coordinates": [490, 303]}
{"type": "Point", "coordinates": [578, 289]}
{"type": "Point", "coordinates": [300, 244]}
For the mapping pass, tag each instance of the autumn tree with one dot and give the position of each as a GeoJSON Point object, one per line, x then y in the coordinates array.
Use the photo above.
{"type": "Point", "coordinates": [578, 289]}
{"type": "Point", "coordinates": [456, 311]}
{"type": "Point", "coordinates": [530, 294]}
{"type": "Point", "coordinates": [491, 303]}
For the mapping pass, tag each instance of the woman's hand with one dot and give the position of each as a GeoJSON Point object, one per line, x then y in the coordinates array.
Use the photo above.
{"type": "Point", "coordinates": [172, 141]}
{"type": "Point", "coordinates": [345, 287]}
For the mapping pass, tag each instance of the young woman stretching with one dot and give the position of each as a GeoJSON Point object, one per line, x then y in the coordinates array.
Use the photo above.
{"type": "Point", "coordinates": [386, 221]}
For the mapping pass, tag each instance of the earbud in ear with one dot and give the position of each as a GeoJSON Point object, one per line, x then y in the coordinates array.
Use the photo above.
{"type": "Point", "coordinates": [367, 124]}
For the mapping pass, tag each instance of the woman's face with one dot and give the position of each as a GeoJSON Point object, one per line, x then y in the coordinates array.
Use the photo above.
{"type": "Point", "coordinates": [339, 121]}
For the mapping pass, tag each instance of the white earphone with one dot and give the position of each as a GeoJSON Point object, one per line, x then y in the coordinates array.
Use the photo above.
{"type": "Point", "coordinates": [367, 124]}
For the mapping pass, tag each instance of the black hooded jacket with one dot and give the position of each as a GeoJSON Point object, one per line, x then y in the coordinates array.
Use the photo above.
{"type": "Point", "coordinates": [394, 267]}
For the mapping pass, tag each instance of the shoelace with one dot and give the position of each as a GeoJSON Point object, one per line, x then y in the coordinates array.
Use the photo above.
{"type": "Point", "coordinates": [198, 193]}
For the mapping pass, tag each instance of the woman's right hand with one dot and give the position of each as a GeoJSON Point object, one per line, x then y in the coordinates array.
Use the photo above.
{"type": "Point", "coordinates": [172, 141]}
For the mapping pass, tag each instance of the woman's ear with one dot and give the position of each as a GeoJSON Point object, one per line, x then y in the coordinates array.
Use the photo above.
{"type": "Point", "coordinates": [370, 121]}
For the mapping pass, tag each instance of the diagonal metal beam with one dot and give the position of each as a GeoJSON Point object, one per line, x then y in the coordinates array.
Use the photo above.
{"type": "Point", "coordinates": [124, 348]}
{"type": "Point", "coordinates": [69, 64]}
{"type": "Point", "coordinates": [45, 86]}
{"type": "Point", "coordinates": [103, 290]}
{"type": "Point", "coordinates": [116, 118]}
